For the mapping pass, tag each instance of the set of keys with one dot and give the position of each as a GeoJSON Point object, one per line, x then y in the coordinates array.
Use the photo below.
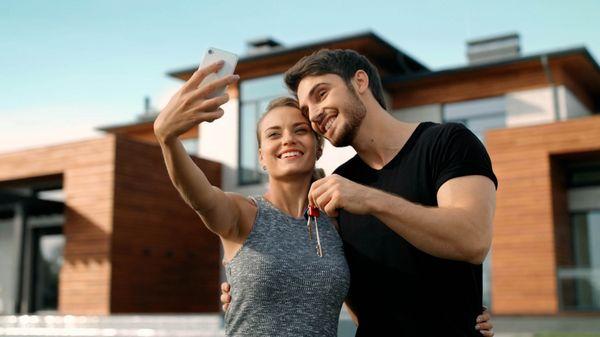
{"type": "Point", "coordinates": [312, 213]}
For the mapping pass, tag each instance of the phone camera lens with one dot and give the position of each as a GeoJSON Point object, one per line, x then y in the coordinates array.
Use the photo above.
{"type": "Point", "coordinates": [210, 51]}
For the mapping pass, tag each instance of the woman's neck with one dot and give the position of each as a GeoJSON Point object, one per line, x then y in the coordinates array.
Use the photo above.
{"type": "Point", "coordinates": [290, 196]}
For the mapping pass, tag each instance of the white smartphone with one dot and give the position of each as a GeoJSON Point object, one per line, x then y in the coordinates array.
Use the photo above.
{"type": "Point", "coordinates": [213, 55]}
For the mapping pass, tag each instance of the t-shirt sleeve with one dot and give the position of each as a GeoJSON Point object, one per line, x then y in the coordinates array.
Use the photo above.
{"type": "Point", "coordinates": [460, 153]}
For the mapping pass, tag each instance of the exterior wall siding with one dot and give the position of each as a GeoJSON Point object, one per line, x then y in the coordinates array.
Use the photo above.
{"type": "Point", "coordinates": [531, 210]}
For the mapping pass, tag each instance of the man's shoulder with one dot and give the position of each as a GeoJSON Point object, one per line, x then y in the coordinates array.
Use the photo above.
{"type": "Point", "coordinates": [347, 168]}
{"type": "Point", "coordinates": [444, 129]}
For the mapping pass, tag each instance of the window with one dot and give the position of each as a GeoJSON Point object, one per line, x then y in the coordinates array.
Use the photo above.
{"type": "Point", "coordinates": [31, 247]}
{"type": "Point", "coordinates": [47, 246]}
{"type": "Point", "coordinates": [255, 95]}
{"type": "Point", "coordinates": [580, 284]}
{"type": "Point", "coordinates": [477, 115]}
{"type": "Point", "coordinates": [9, 262]}
{"type": "Point", "coordinates": [579, 280]}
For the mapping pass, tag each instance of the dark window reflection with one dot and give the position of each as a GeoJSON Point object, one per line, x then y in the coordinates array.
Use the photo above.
{"type": "Point", "coordinates": [48, 247]}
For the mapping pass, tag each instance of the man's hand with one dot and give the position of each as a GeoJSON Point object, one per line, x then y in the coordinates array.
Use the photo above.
{"type": "Point", "coordinates": [225, 296]}
{"type": "Point", "coordinates": [484, 323]}
{"type": "Point", "coordinates": [334, 192]}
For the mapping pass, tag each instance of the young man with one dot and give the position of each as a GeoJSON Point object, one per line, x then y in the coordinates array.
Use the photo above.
{"type": "Point", "coordinates": [415, 205]}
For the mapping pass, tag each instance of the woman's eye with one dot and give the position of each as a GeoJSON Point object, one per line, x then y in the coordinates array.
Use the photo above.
{"type": "Point", "coordinates": [274, 134]}
{"type": "Point", "coordinates": [301, 131]}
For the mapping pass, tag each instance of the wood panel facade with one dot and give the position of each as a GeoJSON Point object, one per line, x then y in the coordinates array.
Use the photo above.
{"type": "Point", "coordinates": [532, 213]}
{"type": "Point", "coordinates": [103, 204]}
{"type": "Point", "coordinates": [164, 258]}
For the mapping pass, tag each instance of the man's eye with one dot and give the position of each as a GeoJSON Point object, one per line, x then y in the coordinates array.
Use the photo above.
{"type": "Point", "coordinates": [322, 93]}
{"type": "Point", "coordinates": [274, 134]}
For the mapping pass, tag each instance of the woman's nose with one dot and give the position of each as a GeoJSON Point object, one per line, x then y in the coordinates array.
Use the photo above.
{"type": "Point", "coordinates": [288, 138]}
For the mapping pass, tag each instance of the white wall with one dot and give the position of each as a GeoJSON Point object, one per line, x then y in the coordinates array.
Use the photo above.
{"type": "Point", "coordinates": [423, 113]}
{"type": "Point", "coordinates": [529, 107]}
{"type": "Point", "coordinates": [536, 106]}
{"type": "Point", "coordinates": [219, 142]}
{"type": "Point", "coordinates": [334, 157]}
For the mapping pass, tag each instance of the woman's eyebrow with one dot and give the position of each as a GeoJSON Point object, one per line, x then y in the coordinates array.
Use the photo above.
{"type": "Point", "coordinates": [272, 128]}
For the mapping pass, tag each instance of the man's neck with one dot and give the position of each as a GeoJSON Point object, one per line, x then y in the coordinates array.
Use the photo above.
{"type": "Point", "coordinates": [380, 137]}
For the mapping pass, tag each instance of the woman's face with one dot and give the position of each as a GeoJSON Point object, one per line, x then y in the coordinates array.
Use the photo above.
{"type": "Point", "coordinates": [288, 145]}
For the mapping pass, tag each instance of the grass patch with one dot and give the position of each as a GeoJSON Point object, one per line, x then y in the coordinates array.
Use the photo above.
{"type": "Point", "coordinates": [567, 334]}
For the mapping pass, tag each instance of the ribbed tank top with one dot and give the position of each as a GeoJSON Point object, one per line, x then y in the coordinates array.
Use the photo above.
{"type": "Point", "coordinates": [279, 285]}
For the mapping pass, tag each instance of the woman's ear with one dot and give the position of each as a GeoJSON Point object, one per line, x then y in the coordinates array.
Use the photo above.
{"type": "Point", "coordinates": [319, 152]}
{"type": "Point", "coordinates": [260, 159]}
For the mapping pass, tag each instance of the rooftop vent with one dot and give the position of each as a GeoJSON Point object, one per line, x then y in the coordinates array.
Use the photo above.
{"type": "Point", "coordinates": [493, 49]}
{"type": "Point", "coordinates": [262, 45]}
{"type": "Point", "coordinates": [149, 112]}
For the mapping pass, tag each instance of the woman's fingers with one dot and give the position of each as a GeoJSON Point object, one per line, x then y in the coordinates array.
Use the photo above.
{"type": "Point", "coordinates": [209, 116]}
{"type": "Point", "coordinates": [211, 87]}
{"type": "Point", "coordinates": [200, 74]}
{"type": "Point", "coordinates": [213, 103]}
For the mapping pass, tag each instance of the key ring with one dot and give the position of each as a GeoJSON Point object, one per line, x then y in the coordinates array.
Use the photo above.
{"type": "Point", "coordinates": [312, 212]}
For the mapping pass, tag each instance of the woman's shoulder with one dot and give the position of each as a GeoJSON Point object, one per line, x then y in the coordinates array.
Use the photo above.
{"type": "Point", "coordinates": [248, 208]}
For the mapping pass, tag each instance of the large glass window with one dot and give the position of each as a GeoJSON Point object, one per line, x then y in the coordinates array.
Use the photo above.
{"type": "Point", "coordinates": [48, 245]}
{"type": "Point", "coordinates": [579, 280]}
{"type": "Point", "coordinates": [255, 95]}
{"type": "Point", "coordinates": [9, 262]}
{"type": "Point", "coordinates": [31, 247]}
{"type": "Point", "coordinates": [580, 284]}
{"type": "Point", "coordinates": [478, 115]}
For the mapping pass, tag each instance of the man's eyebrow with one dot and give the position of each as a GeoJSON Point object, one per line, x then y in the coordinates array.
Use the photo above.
{"type": "Point", "coordinates": [304, 108]}
{"type": "Point", "coordinates": [314, 88]}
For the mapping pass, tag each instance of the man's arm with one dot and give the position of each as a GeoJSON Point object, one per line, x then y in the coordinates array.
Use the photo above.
{"type": "Point", "coordinates": [459, 228]}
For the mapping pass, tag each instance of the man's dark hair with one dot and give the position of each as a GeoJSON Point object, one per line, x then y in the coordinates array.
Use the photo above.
{"type": "Point", "coordinates": [342, 62]}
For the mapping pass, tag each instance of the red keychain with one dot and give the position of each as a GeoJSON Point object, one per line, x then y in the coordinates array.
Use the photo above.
{"type": "Point", "coordinates": [313, 213]}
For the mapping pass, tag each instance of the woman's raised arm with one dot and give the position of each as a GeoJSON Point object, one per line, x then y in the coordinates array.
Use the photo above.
{"type": "Point", "coordinates": [186, 109]}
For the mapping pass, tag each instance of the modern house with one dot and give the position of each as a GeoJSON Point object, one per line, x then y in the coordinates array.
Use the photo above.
{"type": "Point", "coordinates": [125, 232]}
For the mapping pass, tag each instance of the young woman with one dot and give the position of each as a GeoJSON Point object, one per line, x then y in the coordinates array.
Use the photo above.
{"type": "Point", "coordinates": [282, 284]}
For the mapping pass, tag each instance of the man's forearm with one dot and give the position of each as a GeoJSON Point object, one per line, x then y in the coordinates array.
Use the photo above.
{"type": "Point", "coordinates": [450, 233]}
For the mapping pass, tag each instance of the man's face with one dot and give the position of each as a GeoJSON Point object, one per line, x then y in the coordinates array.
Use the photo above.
{"type": "Point", "coordinates": [333, 107]}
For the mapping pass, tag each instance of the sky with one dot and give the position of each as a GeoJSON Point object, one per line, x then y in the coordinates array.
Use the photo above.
{"type": "Point", "coordinates": [69, 66]}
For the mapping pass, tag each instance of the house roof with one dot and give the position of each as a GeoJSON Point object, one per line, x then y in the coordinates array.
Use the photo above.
{"type": "Point", "coordinates": [387, 58]}
{"type": "Point", "coordinates": [582, 51]}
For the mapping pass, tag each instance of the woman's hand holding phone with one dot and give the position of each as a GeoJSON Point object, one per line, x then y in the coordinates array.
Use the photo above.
{"type": "Point", "coordinates": [193, 104]}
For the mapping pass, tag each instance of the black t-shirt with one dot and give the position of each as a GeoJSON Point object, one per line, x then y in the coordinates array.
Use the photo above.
{"type": "Point", "coordinates": [397, 289]}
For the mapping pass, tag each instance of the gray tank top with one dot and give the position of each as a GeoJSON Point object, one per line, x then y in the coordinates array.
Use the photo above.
{"type": "Point", "coordinates": [279, 286]}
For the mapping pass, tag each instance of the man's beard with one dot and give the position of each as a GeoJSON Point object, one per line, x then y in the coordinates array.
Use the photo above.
{"type": "Point", "coordinates": [354, 113]}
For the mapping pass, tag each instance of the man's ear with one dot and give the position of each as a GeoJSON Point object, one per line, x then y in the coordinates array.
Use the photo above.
{"type": "Point", "coordinates": [361, 81]}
